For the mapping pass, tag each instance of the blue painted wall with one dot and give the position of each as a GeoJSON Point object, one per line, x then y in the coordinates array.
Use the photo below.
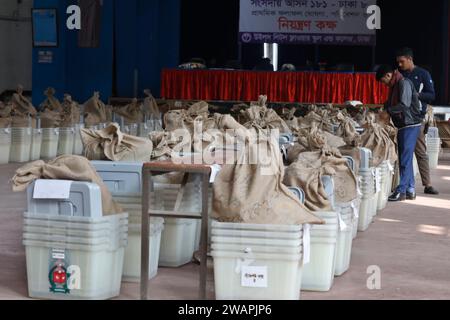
{"type": "Point", "coordinates": [147, 40]}
{"type": "Point", "coordinates": [54, 74]}
{"type": "Point", "coordinates": [140, 35]}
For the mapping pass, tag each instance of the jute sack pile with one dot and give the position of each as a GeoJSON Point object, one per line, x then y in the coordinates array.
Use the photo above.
{"type": "Point", "coordinates": [71, 112]}
{"type": "Point", "coordinates": [150, 106]}
{"type": "Point", "coordinates": [5, 115]}
{"type": "Point", "coordinates": [65, 168]}
{"type": "Point", "coordinates": [51, 103]}
{"type": "Point", "coordinates": [252, 191]}
{"type": "Point", "coordinates": [131, 113]}
{"type": "Point", "coordinates": [377, 139]}
{"type": "Point", "coordinates": [111, 144]}
{"type": "Point", "coordinates": [23, 113]}
{"type": "Point", "coordinates": [307, 173]}
{"type": "Point", "coordinates": [94, 111]}
{"type": "Point", "coordinates": [260, 116]}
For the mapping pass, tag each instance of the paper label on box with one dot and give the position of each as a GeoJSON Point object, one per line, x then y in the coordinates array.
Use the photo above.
{"type": "Point", "coordinates": [215, 169]}
{"type": "Point", "coordinates": [254, 277]}
{"type": "Point", "coordinates": [58, 254]}
{"type": "Point", "coordinates": [52, 189]}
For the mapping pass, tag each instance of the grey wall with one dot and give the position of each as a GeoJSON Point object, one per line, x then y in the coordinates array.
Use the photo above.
{"type": "Point", "coordinates": [15, 45]}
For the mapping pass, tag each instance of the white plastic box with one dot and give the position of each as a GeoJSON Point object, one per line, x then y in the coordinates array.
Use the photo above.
{"type": "Point", "coordinates": [5, 145]}
{"type": "Point", "coordinates": [66, 141]}
{"type": "Point", "coordinates": [20, 145]}
{"type": "Point", "coordinates": [97, 269]}
{"type": "Point", "coordinates": [49, 147]}
{"type": "Point", "coordinates": [132, 265]}
{"type": "Point", "coordinates": [177, 242]}
{"type": "Point", "coordinates": [282, 271]}
{"type": "Point", "coordinates": [344, 245]}
{"type": "Point", "coordinates": [433, 150]}
{"type": "Point", "coordinates": [318, 274]}
{"type": "Point", "coordinates": [36, 143]}
{"type": "Point", "coordinates": [277, 249]}
{"type": "Point", "coordinates": [78, 142]}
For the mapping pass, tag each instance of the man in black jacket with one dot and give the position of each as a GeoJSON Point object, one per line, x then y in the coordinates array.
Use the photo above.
{"type": "Point", "coordinates": [424, 85]}
{"type": "Point", "coordinates": [404, 107]}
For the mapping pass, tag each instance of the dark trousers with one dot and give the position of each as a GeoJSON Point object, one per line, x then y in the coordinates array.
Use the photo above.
{"type": "Point", "coordinates": [407, 138]}
{"type": "Point", "coordinates": [422, 158]}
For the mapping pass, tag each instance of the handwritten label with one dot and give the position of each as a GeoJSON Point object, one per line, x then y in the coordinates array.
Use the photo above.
{"type": "Point", "coordinates": [254, 277]}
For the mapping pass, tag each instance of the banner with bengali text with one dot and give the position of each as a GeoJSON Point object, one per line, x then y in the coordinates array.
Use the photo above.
{"type": "Point", "coordinates": [306, 22]}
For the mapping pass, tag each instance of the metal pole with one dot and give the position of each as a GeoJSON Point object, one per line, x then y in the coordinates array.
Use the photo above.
{"type": "Point", "coordinates": [204, 237]}
{"type": "Point", "coordinates": [145, 239]}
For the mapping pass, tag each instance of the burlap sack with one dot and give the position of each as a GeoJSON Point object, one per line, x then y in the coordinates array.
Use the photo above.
{"type": "Point", "coordinates": [5, 115]}
{"type": "Point", "coordinates": [178, 119]}
{"type": "Point", "coordinates": [245, 192]}
{"type": "Point", "coordinates": [51, 103]}
{"type": "Point", "coordinates": [353, 152]}
{"type": "Point", "coordinates": [347, 130]}
{"type": "Point", "coordinates": [65, 168]}
{"type": "Point", "coordinates": [377, 139]}
{"type": "Point", "coordinates": [71, 112]}
{"type": "Point", "coordinates": [51, 119]}
{"type": "Point", "coordinates": [150, 106]}
{"type": "Point", "coordinates": [21, 105]}
{"type": "Point", "coordinates": [94, 111]}
{"type": "Point", "coordinates": [167, 142]}
{"type": "Point", "coordinates": [22, 121]}
{"type": "Point", "coordinates": [111, 144]}
{"type": "Point", "coordinates": [264, 118]}
{"type": "Point", "coordinates": [5, 122]}
{"type": "Point", "coordinates": [5, 110]}
{"type": "Point", "coordinates": [308, 170]}
{"type": "Point", "coordinates": [303, 176]}
{"type": "Point", "coordinates": [131, 113]}
{"type": "Point", "coordinates": [444, 132]}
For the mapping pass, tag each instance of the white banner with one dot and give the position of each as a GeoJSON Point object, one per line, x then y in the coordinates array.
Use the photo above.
{"type": "Point", "coordinates": [306, 21]}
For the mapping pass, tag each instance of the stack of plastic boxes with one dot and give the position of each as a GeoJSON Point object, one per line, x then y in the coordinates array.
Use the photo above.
{"type": "Point", "coordinates": [20, 144]}
{"type": "Point", "coordinates": [257, 262]}
{"type": "Point", "coordinates": [384, 182]}
{"type": "Point", "coordinates": [78, 142]}
{"type": "Point", "coordinates": [36, 143]}
{"type": "Point", "coordinates": [318, 274]}
{"type": "Point", "coordinates": [178, 240]}
{"type": "Point", "coordinates": [367, 188]}
{"type": "Point", "coordinates": [72, 250]}
{"type": "Point", "coordinates": [5, 145]}
{"type": "Point", "coordinates": [433, 147]}
{"type": "Point", "coordinates": [124, 181]}
{"type": "Point", "coordinates": [66, 141]}
{"type": "Point", "coordinates": [49, 147]}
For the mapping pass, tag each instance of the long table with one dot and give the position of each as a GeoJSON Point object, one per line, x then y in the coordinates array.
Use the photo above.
{"type": "Point", "coordinates": [303, 87]}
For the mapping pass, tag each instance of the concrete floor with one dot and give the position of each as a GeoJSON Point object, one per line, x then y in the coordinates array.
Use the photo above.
{"type": "Point", "coordinates": [409, 242]}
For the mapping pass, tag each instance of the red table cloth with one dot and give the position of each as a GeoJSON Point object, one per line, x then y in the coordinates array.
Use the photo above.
{"type": "Point", "coordinates": [300, 87]}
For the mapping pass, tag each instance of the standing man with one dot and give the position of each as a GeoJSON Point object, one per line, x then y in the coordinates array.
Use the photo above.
{"type": "Point", "coordinates": [425, 87]}
{"type": "Point", "coordinates": [404, 107]}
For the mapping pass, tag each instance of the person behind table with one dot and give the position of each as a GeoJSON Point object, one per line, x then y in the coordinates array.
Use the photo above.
{"type": "Point", "coordinates": [424, 85]}
{"type": "Point", "coordinates": [404, 107]}
{"type": "Point", "coordinates": [265, 64]}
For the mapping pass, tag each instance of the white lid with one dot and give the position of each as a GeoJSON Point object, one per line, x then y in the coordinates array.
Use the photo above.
{"type": "Point", "coordinates": [256, 249]}
{"type": "Point", "coordinates": [257, 241]}
{"type": "Point", "coordinates": [257, 256]}
{"type": "Point", "coordinates": [256, 227]}
{"type": "Point", "coordinates": [256, 234]}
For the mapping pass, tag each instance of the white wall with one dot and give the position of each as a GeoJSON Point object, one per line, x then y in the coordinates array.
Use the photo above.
{"type": "Point", "coordinates": [15, 46]}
